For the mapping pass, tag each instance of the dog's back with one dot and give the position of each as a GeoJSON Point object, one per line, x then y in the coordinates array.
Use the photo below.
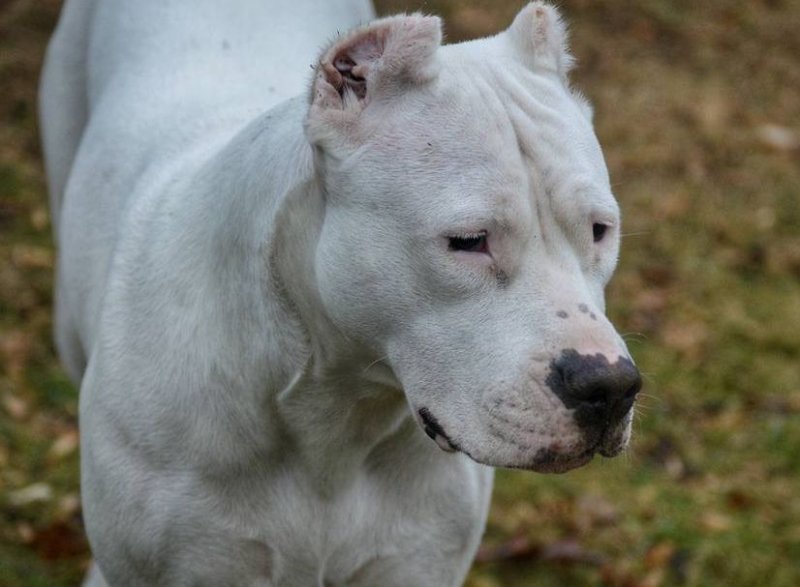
{"type": "Point", "coordinates": [133, 91]}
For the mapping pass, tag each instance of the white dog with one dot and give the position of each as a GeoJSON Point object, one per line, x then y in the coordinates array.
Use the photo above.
{"type": "Point", "coordinates": [272, 285]}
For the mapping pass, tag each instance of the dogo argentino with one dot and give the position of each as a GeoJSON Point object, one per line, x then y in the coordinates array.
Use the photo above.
{"type": "Point", "coordinates": [310, 310]}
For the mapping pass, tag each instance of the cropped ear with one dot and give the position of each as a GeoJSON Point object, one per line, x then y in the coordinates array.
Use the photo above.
{"type": "Point", "coordinates": [540, 36]}
{"type": "Point", "coordinates": [375, 61]}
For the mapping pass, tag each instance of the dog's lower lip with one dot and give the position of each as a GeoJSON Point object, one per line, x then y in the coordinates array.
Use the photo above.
{"type": "Point", "coordinates": [443, 443]}
{"type": "Point", "coordinates": [566, 465]}
{"type": "Point", "coordinates": [609, 453]}
{"type": "Point", "coordinates": [610, 444]}
{"type": "Point", "coordinates": [435, 431]}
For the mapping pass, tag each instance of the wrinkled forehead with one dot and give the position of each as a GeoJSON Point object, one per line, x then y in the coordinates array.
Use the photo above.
{"type": "Point", "coordinates": [550, 125]}
{"type": "Point", "coordinates": [488, 121]}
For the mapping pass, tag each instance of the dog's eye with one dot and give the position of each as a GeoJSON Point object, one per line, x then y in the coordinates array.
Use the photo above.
{"type": "Point", "coordinates": [470, 243]}
{"type": "Point", "coordinates": [599, 231]}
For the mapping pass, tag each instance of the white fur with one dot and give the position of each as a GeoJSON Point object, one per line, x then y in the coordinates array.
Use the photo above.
{"type": "Point", "coordinates": [257, 298]}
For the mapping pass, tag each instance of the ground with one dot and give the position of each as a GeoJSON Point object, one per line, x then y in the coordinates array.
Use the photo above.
{"type": "Point", "coordinates": [697, 105]}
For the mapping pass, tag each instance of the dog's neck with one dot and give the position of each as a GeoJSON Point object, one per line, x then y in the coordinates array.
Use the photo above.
{"type": "Point", "coordinates": [335, 403]}
{"type": "Point", "coordinates": [344, 403]}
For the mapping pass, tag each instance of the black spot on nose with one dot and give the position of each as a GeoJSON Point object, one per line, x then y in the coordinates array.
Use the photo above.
{"type": "Point", "coordinates": [599, 391]}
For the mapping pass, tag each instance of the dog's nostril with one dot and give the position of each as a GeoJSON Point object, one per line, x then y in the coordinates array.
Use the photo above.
{"type": "Point", "coordinates": [633, 391]}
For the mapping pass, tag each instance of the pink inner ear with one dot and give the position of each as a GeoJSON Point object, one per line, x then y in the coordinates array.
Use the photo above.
{"type": "Point", "coordinates": [353, 62]}
{"type": "Point", "coordinates": [347, 68]}
{"type": "Point", "coordinates": [379, 59]}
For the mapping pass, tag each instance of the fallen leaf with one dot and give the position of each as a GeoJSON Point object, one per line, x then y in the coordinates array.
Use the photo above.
{"type": "Point", "coordinates": [594, 511]}
{"type": "Point", "coordinates": [30, 494]}
{"type": "Point", "coordinates": [30, 257]}
{"type": "Point", "coordinates": [16, 407]}
{"type": "Point", "coordinates": [64, 445]}
{"type": "Point", "coordinates": [25, 532]}
{"type": "Point", "coordinates": [59, 540]}
{"type": "Point", "coordinates": [40, 218]}
{"type": "Point", "coordinates": [515, 548]}
{"type": "Point", "coordinates": [778, 137]}
{"type": "Point", "coordinates": [659, 555]}
{"type": "Point", "coordinates": [15, 347]}
{"type": "Point", "coordinates": [571, 551]}
{"type": "Point", "coordinates": [521, 547]}
{"type": "Point", "coordinates": [688, 338]}
{"type": "Point", "coordinates": [654, 578]}
{"type": "Point", "coordinates": [716, 522]}
{"type": "Point", "coordinates": [68, 506]}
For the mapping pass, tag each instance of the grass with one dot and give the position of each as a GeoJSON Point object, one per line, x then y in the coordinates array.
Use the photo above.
{"type": "Point", "coordinates": [687, 98]}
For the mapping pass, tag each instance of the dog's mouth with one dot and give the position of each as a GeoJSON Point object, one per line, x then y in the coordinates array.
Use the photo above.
{"type": "Point", "coordinates": [435, 431]}
{"type": "Point", "coordinates": [608, 442]}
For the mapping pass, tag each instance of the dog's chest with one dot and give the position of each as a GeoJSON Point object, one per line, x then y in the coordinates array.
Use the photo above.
{"type": "Point", "coordinates": [379, 530]}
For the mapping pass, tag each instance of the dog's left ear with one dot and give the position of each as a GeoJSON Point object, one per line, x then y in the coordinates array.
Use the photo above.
{"type": "Point", "coordinates": [540, 37]}
{"type": "Point", "coordinates": [371, 63]}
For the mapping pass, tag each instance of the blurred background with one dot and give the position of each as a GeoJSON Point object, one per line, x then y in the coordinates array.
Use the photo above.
{"type": "Point", "coordinates": [697, 105]}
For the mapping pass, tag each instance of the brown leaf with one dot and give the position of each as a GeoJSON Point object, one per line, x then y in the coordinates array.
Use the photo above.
{"type": "Point", "coordinates": [659, 555]}
{"type": "Point", "coordinates": [521, 547]}
{"type": "Point", "coordinates": [15, 348]}
{"type": "Point", "coordinates": [40, 218]}
{"type": "Point", "coordinates": [716, 522]}
{"type": "Point", "coordinates": [515, 548]}
{"type": "Point", "coordinates": [687, 338]}
{"type": "Point", "coordinates": [778, 137]}
{"type": "Point", "coordinates": [60, 540]}
{"type": "Point", "coordinates": [25, 532]}
{"type": "Point", "coordinates": [68, 506]}
{"type": "Point", "coordinates": [30, 257]}
{"type": "Point", "coordinates": [16, 407]}
{"type": "Point", "coordinates": [30, 494]}
{"type": "Point", "coordinates": [594, 511]}
{"type": "Point", "coordinates": [571, 551]}
{"type": "Point", "coordinates": [64, 445]}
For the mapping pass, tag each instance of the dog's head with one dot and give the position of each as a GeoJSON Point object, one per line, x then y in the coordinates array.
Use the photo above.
{"type": "Point", "coordinates": [469, 232]}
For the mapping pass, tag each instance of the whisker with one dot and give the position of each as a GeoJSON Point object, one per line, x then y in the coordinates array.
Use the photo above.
{"type": "Point", "coordinates": [375, 362]}
{"type": "Point", "coordinates": [633, 336]}
{"type": "Point", "coordinates": [648, 377]}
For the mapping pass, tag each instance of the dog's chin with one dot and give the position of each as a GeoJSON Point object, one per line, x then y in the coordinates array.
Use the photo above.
{"type": "Point", "coordinates": [552, 463]}
{"type": "Point", "coordinates": [544, 461]}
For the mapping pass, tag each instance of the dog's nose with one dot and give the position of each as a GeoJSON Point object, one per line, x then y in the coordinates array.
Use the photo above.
{"type": "Point", "coordinates": [598, 390]}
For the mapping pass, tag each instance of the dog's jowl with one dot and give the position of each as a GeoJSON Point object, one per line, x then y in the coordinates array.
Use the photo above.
{"type": "Point", "coordinates": [309, 311]}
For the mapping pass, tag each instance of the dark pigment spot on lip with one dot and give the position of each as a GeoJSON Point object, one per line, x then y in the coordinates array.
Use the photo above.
{"type": "Point", "coordinates": [583, 308]}
{"type": "Point", "coordinates": [562, 314]}
{"type": "Point", "coordinates": [502, 278]}
{"type": "Point", "coordinates": [433, 428]}
{"type": "Point", "coordinates": [593, 316]}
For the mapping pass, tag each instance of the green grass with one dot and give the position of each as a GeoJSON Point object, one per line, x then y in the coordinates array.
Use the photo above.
{"type": "Point", "coordinates": [708, 294]}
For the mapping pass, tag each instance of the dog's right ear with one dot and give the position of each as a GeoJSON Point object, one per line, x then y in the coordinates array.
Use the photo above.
{"type": "Point", "coordinates": [371, 63]}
